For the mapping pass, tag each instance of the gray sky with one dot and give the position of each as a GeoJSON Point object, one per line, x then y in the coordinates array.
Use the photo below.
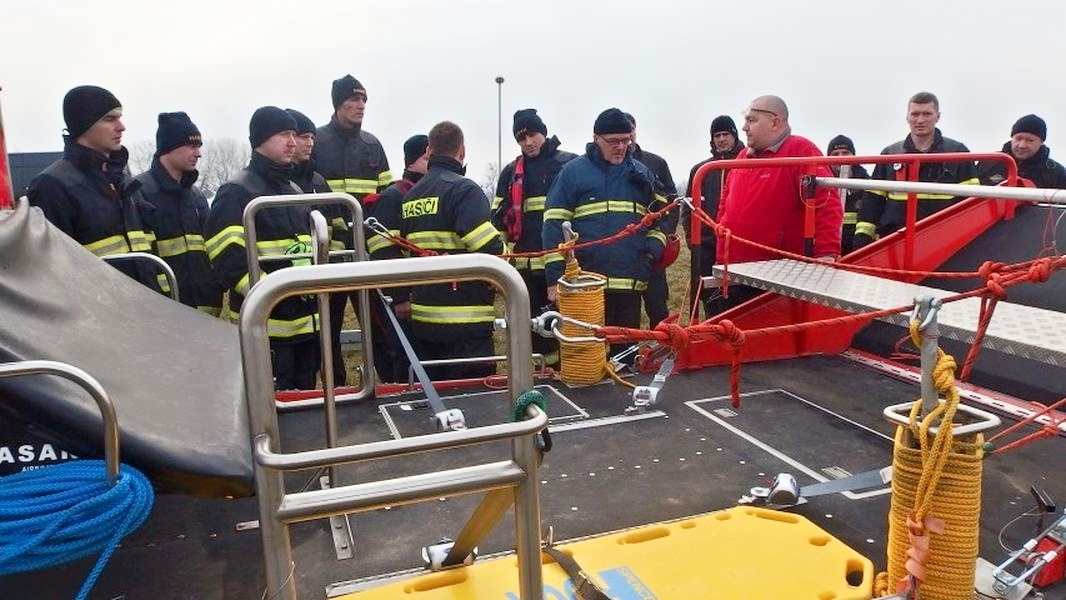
{"type": "Point", "coordinates": [842, 66]}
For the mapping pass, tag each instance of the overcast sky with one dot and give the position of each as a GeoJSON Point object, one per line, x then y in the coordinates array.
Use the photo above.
{"type": "Point", "coordinates": [842, 66]}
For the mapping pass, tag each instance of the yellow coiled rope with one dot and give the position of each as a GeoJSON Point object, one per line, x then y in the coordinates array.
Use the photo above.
{"type": "Point", "coordinates": [936, 498]}
{"type": "Point", "coordinates": [582, 363]}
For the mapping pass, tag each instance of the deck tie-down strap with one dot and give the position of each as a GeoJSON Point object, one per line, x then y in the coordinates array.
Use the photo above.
{"type": "Point", "coordinates": [584, 587]}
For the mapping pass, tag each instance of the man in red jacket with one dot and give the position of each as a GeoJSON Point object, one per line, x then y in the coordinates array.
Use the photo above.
{"type": "Point", "coordinates": [767, 204]}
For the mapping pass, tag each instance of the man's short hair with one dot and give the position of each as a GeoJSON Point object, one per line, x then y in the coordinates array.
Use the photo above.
{"type": "Point", "coordinates": [925, 98]}
{"type": "Point", "coordinates": [445, 139]}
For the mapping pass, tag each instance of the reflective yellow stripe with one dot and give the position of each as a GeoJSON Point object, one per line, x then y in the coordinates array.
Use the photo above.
{"type": "Point", "coordinates": [115, 244]}
{"type": "Point", "coordinates": [534, 204]}
{"type": "Point", "coordinates": [190, 242]}
{"type": "Point", "coordinates": [279, 328]}
{"type": "Point", "coordinates": [376, 243]}
{"type": "Point", "coordinates": [242, 285]}
{"type": "Point", "coordinates": [655, 234]}
{"type": "Point", "coordinates": [339, 223]}
{"type": "Point", "coordinates": [866, 228]}
{"type": "Point", "coordinates": [139, 241]}
{"type": "Point", "coordinates": [436, 240]}
{"type": "Point", "coordinates": [272, 247]}
{"type": "Point", "coordinates": [626, 284]}
{"type": "Point", "coordinates": [496, 202]}
{"type": "Point", "coordinates": [902, 196]}
{"type": "Point", "coordinates": [553, 258]}
{"type": "Point", "coordinates": [452, 315]}
{"type": "Point", "coordinates": [384, 179]}
{"type": "Point", "coordinates": [164, 284]}
{"type": "Point", "coordinates": [356, 187]}
{"type": "Point", "coordinates": [234, 234]}
{"type": "Point", "coordinates": [621, 206]}
{"type": "Point", "coordinates": [850, 218]}
{"type": "Point", "coordinates": [480, 236]}
{"type": "Point", "coordinates": [523, 263]}
{"type": "Point", "coordinates": [558, 214]}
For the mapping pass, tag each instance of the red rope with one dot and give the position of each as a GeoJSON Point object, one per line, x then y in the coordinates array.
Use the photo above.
{"type": "Point", "coordinates": [1050, 429]}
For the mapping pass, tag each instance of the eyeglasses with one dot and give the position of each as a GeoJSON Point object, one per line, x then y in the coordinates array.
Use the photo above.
{"type": "Point", "coordinates": [749, 117]}
{"type": "Point", "coordinates": [622, 141]}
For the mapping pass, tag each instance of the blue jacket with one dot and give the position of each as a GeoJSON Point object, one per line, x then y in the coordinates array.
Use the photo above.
{"type": "Point", "coordinates": [600, 199]}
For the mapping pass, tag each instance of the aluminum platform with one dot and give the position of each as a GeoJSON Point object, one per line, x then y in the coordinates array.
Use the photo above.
{"type": "Point", "coordinates": [1032, 333]}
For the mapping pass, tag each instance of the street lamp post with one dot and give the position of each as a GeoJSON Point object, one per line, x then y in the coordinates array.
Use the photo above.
{"type": "Point", "coordinates": [499, 125]}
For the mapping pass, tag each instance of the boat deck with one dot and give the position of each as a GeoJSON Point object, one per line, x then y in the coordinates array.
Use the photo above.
{"type": "Point", "coordinates": [817, 418]}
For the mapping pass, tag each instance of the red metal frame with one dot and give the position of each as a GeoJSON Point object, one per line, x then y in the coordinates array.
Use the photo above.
{"type": "Point", "coordinates": [922, 246]}
{"type": "Point", "coordinates": [7, 194]}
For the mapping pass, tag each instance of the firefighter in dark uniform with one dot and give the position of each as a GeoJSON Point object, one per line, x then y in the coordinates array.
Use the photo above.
{"type": "Point", "coordinates": [180, 212]}
{"type": "Point", "coordinates": [657, 294]}
{"type": "Point", "coordinates": [881, 213]}
{"type": "Point", "coordinates": [518, 209]}
{"type": "Point", "coordinates": [448, 213]}
{"type": "Point", "coordinates": [842, 145]}
{"type": "Point", "coordinates": [293, 324]}
{"type": "Point", "coordinates": [725, 145]}
{"type": "Point", "coordinates": [303, 168]}
{"type": "Point", "coordinates": [87, 194]}
{"type": "Point", "coordinates": [1027, 147]}
{"type": "Point", "coordinates": [352, 160]}
{"type": "Point", "coordinates": [390, 360]}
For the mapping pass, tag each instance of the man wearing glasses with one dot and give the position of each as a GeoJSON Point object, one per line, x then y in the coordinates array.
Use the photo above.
{"type": "Point", "coordinates": [601, 193]}
{"type": "Point", "coordinates": [767, 204]}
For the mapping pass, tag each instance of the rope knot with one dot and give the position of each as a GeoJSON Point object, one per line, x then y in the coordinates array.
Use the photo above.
{"type": "Point", "coordinates": [989, 267]}
{"type": "Point", "coordinates": [678, 335]}
{"type": "Point", "coordinates": [731, 333]}
{"type": "Point", "coordinates": [995, 287]}
{"type": "Point", "coordinates": [1040, 270]}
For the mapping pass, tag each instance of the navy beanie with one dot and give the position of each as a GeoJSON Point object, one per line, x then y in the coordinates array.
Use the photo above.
{"type": "Point", "coordinates": [840, 142]}
{"type": "Point", "coordinates": [266, 121]}
{"type": "Point", "coordinates": [414, 148]}
{"type": "Point", "coordinates": [303, 123]}
{"type": "Point", "coordinates": [724, 123]}
{"type": "Point", "coordinates": [1030, 124]}
{"type": "Point", "coordinates": [345, 88]}
{"type": "Point", "coordinates": [527, 120]}
{"type": "Point", "coordinates": [84, 105]}
{"type": "Point", "coordinates": [175, 130]}
{"type": "Point", "coordinates": [612, 120]}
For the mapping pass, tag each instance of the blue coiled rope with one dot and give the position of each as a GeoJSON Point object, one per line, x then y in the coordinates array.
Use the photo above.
{"type": "Point", "coordinates": [67, 511]}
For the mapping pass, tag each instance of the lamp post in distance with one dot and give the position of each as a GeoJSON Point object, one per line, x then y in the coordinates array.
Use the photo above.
{"type": "Point", "coordinates": [499, 124]}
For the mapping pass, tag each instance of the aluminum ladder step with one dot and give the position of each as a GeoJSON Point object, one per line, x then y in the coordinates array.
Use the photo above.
{"type": "Point", "coordinates": [1032, 333]}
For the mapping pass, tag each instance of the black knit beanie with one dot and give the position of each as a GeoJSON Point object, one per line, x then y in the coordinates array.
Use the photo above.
{"type": "Point", "coordinates": [414, 148]}
{"type": "Point", "coordinates": [345, 88]}
{"type": "Point", "coordinates": [840, 142]}
{"type": "Point", "coordinates": [724, 123]}
{"type": "Point", "coordinates": [1030, 124]}
{"type": "Point", "coordinates": [527, 120]}
{"type": "Point", "coordinates": [612, 120]}
{"type": "Point", "coordinates": [175, 130]}
{"type": "Point", "coordinates": [266, 121]}
{"type": "Point", "coordinates": [84, 105]}
{"type": "Point", "coordinates": [303, 123]}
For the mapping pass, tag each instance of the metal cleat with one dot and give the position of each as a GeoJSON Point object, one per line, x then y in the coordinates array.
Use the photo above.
{"type": "Point", "coordinates": [451, 419]}
{"type": "Point", "coordinates": [433, 556]}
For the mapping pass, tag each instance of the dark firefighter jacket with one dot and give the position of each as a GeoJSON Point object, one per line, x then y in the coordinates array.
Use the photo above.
{"type": "Point", "coordinates": [1038, 168]}
{"type": "Point", "coordinates": [881, 213]}
{"type": "Point", "coordinates": [601, 199]}
{"type": "Point", "coordinates": [178, 222]}
{"type": "Point", "coordinates": [386, 209]}
{"type": "Point", "coordinates": [539, 173]}
{"type": "Point", "coordinates": [88, 196]}
{"type": "Point", "coordinates": [281, 230]}
{"type": "Point", "coordinates": [658, 167]}
{"type": "Point", "coordinates": [710, 191]}
{"type": "Point", "coordinates": [351, 160]}
{"type": "Point", "coordinates": [449, 214]}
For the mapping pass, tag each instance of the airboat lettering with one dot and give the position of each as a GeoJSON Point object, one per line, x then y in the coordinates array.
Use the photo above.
{"type": "Point", "coordinates": [28, 453]}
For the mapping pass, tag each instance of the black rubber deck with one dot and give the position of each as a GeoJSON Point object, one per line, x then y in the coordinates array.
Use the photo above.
{"type": "Point", "coordinates": [691, 454]}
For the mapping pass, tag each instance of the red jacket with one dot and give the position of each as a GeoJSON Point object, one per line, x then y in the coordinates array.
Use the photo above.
{"type": "Point", "coordinates": [763, 204]}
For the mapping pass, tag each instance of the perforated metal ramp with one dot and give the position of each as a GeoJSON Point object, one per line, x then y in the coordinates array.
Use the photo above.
{"type": "Point", "coordinates": [1031, 333]}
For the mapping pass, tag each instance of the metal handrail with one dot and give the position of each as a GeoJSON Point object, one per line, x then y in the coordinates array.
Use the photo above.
{"type": "Point", "coordinates": [359, 248]}
{"type": "Point", "coordinates": [1049, 196]}
{"type": "Point", "coordinates": [168, 272]}
{"type": "Point", "coordinates": [89, 384]}
{"type": "Point", "coordinates": [277, 509]}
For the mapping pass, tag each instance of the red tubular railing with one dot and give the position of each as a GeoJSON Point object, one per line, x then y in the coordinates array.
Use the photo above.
{"type": "Point", "coordinates": [810, 162]}
{"type": "Point", "coordinates": [7, 193]}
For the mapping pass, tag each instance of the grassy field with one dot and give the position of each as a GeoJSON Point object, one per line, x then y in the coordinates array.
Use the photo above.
{"type": "Point", "coordinates": [677, 277]}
